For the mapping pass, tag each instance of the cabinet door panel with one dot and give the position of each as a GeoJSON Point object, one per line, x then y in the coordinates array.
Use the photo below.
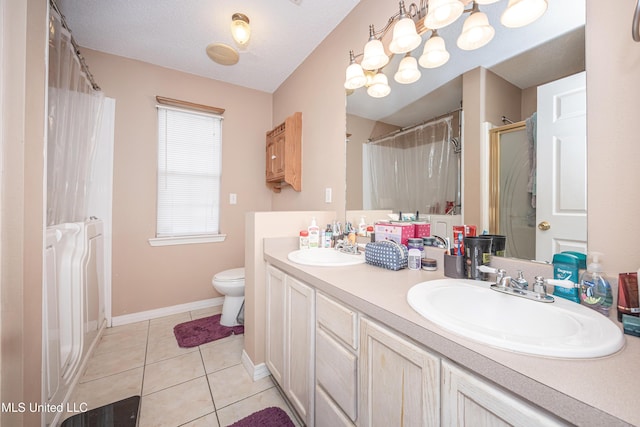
{"type": "Point", "coordinates": [470, 401]}
{"type": "Point", "coordinates": [275, 327]}
{"type": "Point", "coordinates": [336, 372]}
{"type": "Point", "coordinates": [400, 382]}
{"type": "Point", "coordinates": [300, 347]}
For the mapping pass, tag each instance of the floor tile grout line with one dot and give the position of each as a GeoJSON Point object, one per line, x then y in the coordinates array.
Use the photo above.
{"type": "Point", "coordinates": [204, 366]}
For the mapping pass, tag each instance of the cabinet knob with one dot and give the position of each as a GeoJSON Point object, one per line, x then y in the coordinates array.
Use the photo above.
{"type": "Point", "coordinates": [273, 157]}
{"type": "Point", "coordinates": [544, 226]}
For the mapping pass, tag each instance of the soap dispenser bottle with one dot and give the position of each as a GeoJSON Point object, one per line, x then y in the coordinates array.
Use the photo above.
{"type": "Point", "coordinates": [595, 291]}
{"type": "Point", "coordinates": [314, 234]}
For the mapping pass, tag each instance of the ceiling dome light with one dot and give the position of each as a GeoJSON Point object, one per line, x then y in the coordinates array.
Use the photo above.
{"type": "Point", "coordinates": [407, 70]}
{"type": "Point", "coordinates": [355, 77]}
{"type": "Point", "coordinates": [374, 56]}
{"type": "Point", "coordinates": [522, 12]}
{"type": "Point", "coordinates": [435, 53]}
{"type": "Point", "coordinates": [443, 12]}
{"type": "Point", "coordinates": [405, 37]}
{"type": "Point", "coordinates": [379, 86]}
{"type": "Point", "coordinates": [240, 29]}
{"type": "Point", "coordinates": [476, 32]}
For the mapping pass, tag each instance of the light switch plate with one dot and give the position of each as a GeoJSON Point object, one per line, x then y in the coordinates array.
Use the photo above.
{"type": "Point", "coordinates": [233, 198]}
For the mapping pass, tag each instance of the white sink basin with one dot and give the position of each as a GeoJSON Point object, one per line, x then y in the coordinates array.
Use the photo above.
{"type": "Point", "coordinates": [325, 257]}
{"type": "Point", "coordinates": [560, 329]}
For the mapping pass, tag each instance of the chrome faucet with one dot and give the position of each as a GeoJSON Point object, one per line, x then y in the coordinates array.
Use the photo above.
{"type": "Point", "coordinates": [345, 246]}
{"type": "Point", "coordinates": [518, 287]}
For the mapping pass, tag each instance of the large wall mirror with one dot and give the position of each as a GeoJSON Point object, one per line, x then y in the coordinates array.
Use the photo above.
{"type": "Point", "coordinates": [528, 57]}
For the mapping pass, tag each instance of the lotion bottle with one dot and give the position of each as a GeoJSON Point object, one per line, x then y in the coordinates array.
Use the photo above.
{"type": "Point", "coordinates": [314, 234]}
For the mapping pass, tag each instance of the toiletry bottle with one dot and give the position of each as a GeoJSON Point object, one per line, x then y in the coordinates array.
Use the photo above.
{"type": "Point", "coordinates": [565, 267]}
{"type": "Point", "coordinates": [595, 291]}
{"type": "Point", "coordinates": [328, 236]}
{"type": "Point", "coordinates": [314, 235]}
{"type": "Point", "coordinates": [304, 239]}
{"type": "Point", "coordinates": [362, 227]}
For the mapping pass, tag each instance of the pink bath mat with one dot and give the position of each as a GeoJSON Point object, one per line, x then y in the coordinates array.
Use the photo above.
{"type": "Point", "coordinates": [268, 417]}
{"type": "Point", "coordinates": [202, 331]}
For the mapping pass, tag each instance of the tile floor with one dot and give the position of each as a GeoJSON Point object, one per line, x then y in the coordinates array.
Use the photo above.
{"type": "Point", "coordinates": [199, 386]}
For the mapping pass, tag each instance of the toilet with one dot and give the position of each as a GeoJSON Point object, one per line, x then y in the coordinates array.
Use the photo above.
{"type": "Point", "coordinates": [230, 283]}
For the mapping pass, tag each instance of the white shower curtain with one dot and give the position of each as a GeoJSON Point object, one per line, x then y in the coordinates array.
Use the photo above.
{"type": "Point", "coordinates": [413, 170]}
{"type": "Point", "coordinates": [74, 113]}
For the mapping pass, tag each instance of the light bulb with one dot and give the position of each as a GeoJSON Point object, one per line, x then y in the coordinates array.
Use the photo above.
{"type": "Point", "coordinates": [435, 53]}
{"type": "Point", "coordinates": [522, 12]}
{"type": "Point", "coordinates": [407, 70]}
{"type": "Point", "coordinates": [379, 86]}
{"type": "Point", "coordinates": [442, 13]}
{"type": "Point", "coordinates": [240, 29]}
{"type": "Point", "coordinates": [476, 32]}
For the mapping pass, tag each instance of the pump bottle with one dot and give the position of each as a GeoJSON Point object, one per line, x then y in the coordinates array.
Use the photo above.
{"type": "Point", "coordinates": [595, 291]}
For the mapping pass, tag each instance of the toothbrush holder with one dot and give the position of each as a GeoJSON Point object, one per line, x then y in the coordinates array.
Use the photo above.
{"type": "Point", "coordinates": [454, 266]}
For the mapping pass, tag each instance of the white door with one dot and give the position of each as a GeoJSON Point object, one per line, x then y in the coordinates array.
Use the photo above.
{"type": "Point", "coordinates": [561, 194]}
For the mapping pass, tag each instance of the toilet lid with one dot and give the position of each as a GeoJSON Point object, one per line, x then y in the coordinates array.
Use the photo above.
{"type": "Point", "coordinates": [230, 275]}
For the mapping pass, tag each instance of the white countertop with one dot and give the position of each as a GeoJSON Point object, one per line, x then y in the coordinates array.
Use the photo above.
{"type": "Point", "coordinates": [589, 392]}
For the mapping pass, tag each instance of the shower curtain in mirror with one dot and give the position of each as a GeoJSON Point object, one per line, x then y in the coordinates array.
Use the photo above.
{"type": "Point", "coordinates": [412, 170]}
{"type": "Point", "coordinates": [74, 108]}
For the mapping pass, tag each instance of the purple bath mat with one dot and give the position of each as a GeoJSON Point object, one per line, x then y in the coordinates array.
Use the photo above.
{"type": "Point", "coordinates": [201, 331]}
{"type": "Point", "coordinates": [268, 417]}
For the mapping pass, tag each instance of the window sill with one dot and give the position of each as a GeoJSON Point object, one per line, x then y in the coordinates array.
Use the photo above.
{"type": "Point", "coordinates": [187, 240]}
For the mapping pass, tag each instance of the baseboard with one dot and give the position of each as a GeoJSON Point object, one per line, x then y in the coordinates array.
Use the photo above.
{"type": "Point", "coordinates": [165, 311]}
{"type": "Point", "coordinates": [255, 371]}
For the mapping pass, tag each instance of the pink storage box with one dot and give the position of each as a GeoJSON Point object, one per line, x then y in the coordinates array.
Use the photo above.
{"type": "Point", "coordinates": [422, 229]}
{"type": "Point", "coordinates": [399, 233]}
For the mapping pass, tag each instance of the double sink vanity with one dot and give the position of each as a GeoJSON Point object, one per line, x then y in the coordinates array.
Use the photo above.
{"type": "Point", "coordinates": [360, 345]}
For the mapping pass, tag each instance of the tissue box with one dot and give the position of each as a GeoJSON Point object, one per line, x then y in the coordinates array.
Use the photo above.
{"type": "Point", "coordinates": [398, 232]}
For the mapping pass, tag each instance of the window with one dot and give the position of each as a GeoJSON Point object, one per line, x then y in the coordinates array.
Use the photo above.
{"type": "Point", "coordinates": [189, 166]}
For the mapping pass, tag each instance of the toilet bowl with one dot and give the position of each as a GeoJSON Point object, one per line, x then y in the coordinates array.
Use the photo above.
{"type": "Point", "coordinates": [230, 283]}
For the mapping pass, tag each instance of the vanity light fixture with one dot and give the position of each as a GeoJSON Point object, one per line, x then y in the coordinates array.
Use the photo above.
{"type": "Point", "coordinates": [240, 29]}
{"type": "Point", "coordinates": [410, 24]}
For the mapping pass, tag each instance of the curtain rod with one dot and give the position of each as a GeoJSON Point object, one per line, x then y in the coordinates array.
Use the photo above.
{"type": "Point", "coordinates": [433, 119]}
{"type": "Point", "coordinates": [76, 49]}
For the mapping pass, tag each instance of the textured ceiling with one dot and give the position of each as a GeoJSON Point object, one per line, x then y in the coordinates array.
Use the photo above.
{"type": "Point", "coordinates": [175, 34]}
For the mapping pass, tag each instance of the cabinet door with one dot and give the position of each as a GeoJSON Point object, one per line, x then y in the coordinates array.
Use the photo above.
{"type": "Point", "coordinates": [400, 382]}
{"type": "Point", "coordinates": [469, 401]}
{"type": "Point", "coordinates": [276, 150]}
{"type": "Point", "coordinates": [299, 380]}
{"type": "Point", "coordinates": [275, 327]}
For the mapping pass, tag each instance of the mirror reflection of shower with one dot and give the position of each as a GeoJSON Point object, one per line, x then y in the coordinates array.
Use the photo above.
{"type": "Point", "coordinates": [416, 168]}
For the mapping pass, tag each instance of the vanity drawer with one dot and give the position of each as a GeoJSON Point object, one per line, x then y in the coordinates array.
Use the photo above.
{"type": "Point", "coordinates": [337, 373]}
{"type": "Point", "coordinates": [341, 321]}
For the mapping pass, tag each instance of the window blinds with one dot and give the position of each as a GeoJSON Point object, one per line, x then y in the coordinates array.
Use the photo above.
{"type": "Point", "coordinates": [189, 169]}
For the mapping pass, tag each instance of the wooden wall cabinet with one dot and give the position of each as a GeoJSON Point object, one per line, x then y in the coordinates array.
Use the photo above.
{"type": "Point", "coordinates": [284, 154]}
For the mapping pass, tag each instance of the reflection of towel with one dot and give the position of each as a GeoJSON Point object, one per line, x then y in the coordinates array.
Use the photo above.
{"type": "Point", "coordinates": [531, 125]}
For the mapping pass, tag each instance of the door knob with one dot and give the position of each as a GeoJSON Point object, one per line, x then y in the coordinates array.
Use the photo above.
{"type": "Point", "coordinates": [544, 226]}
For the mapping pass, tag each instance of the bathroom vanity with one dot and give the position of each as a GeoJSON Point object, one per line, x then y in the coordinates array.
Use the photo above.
{"type": "Point", "coordinates": [347, 349]}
